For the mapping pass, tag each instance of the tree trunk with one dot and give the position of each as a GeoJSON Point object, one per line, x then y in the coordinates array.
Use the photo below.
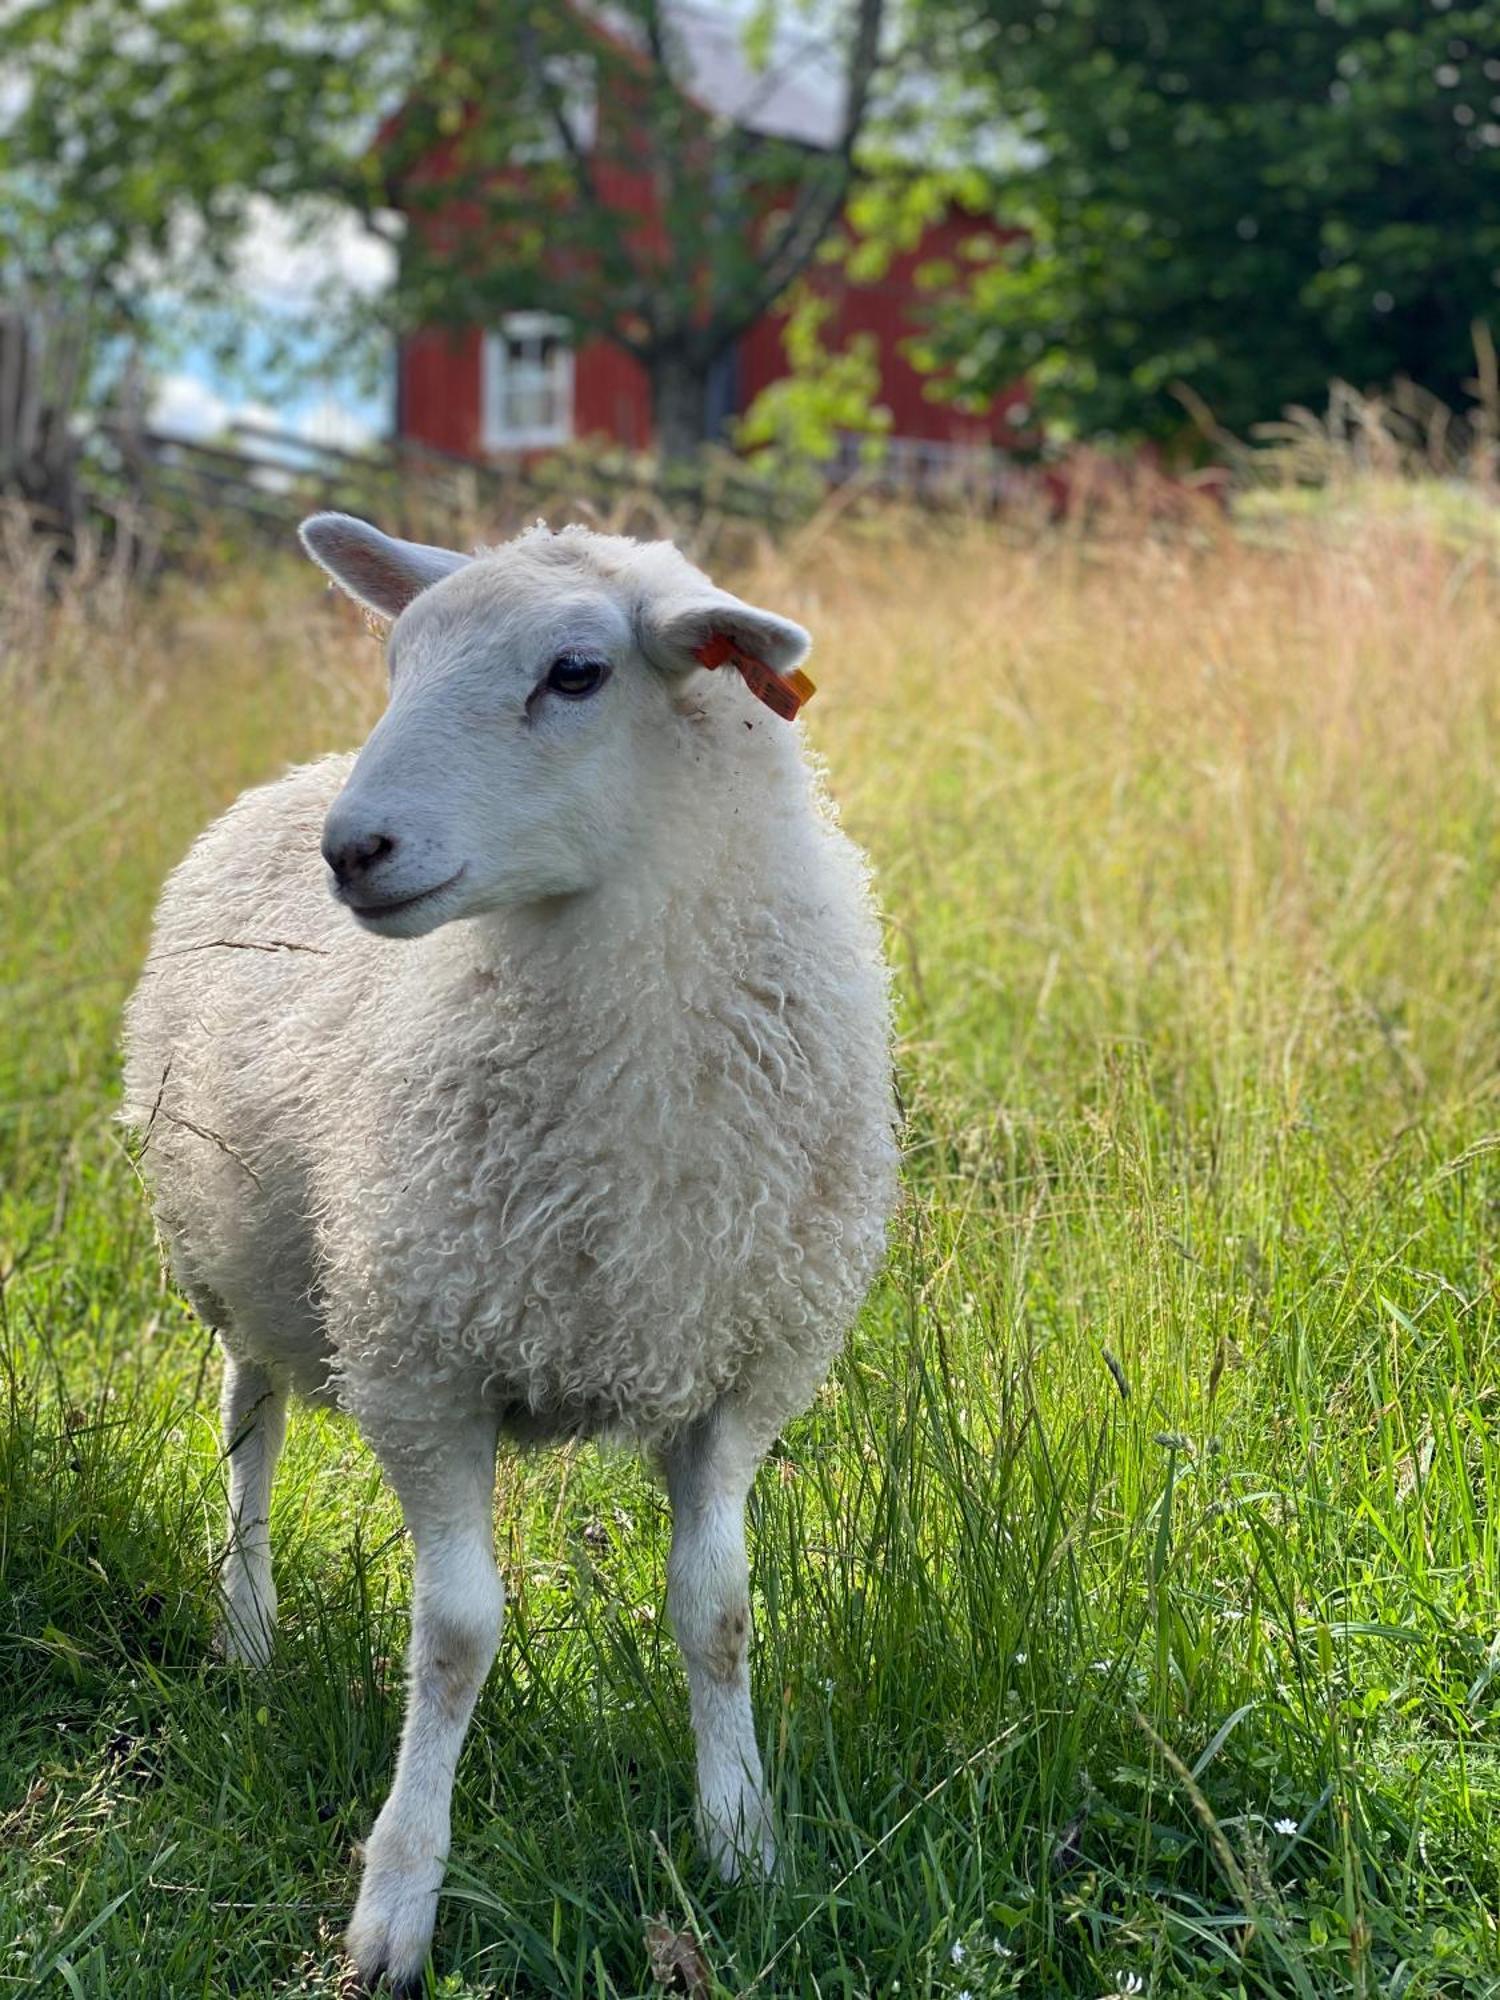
{"type": "Point", "coordinates": [679, 408]}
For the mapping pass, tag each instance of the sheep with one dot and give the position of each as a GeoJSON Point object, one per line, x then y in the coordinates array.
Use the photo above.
{"type": "Point", "coordinates": [567, 1114]}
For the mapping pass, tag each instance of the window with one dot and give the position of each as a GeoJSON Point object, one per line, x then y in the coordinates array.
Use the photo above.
{"type": "Point", "coordinates": [528, 383]}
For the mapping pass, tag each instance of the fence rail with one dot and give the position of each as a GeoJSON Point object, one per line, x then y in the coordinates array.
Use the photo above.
{"type": "Point", "coordinates": [259, 477]}
{"type": "Point", "coordinates": [137, 491]}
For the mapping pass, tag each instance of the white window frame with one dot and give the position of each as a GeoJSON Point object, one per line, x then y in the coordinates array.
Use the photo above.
{"type": "Point", "coordinates": [499, 369]}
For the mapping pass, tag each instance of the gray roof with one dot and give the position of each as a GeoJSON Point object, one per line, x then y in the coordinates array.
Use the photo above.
{"type": "Point", "coordinates": [797, 93]}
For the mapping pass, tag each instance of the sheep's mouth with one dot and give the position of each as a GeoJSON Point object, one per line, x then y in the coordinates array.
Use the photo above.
{"type": "Point", "coordinates": [399, 905]}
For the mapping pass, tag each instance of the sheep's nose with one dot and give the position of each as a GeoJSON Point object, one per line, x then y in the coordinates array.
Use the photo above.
{"type": "Point", "coordinates": [356, 856]}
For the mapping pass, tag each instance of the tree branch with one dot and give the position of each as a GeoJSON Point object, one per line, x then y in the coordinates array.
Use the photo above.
{"type": "Point", "coordinates": [633, 294]}
{"type": "Point", "coordinates": [822, 196]}
{"type": "Point", "coordinates": [557, 110]}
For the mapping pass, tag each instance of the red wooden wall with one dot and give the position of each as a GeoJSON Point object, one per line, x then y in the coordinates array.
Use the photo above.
{"type": "Point", "coordinates": [893, 308]}
{"type": "Point", "coordinates": [440, 370]}
{"type": "Point", "coordinates": [440, 393]}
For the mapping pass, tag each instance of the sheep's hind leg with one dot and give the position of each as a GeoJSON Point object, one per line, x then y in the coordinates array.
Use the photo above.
{"type": "Point", "coordinates": [710, 1469]}
{"type": "Point", "coordinates": [252, 1413]}
{"type": "Point", "coordinates": [445, 1480]}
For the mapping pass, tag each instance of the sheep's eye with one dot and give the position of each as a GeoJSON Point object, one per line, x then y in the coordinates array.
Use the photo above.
{"type": "Point", "coordinates": [575, 676]}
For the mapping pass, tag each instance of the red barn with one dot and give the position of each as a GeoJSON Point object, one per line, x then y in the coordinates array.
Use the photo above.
{"type": "Point", "coordinates": [523, 385]}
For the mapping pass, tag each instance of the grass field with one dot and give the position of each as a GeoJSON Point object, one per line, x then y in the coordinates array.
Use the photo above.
{"type": "Point", "coordinates": [1129, 1605]}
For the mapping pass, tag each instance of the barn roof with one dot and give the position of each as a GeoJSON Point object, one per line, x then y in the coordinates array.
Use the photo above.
{"type": "Point", "coordinates": [796, 93]}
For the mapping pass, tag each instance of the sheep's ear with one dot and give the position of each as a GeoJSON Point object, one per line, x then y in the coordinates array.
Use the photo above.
{"type": "Point", "coordinates": [675, 633]}
{"type": "Point", "coordinates": [376, 569]}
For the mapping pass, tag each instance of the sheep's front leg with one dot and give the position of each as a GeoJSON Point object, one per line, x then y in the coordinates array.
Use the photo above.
{"type": "Point", "coordinates": [446, 1482]}
{"type": "Point", "coordinates": [710, 1469]}
{"type": "Point", "coordinates": [252, 1413]}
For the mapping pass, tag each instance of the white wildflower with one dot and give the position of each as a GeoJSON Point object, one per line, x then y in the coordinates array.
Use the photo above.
{"type": "Point", "coordinates": [1287, 1826]}
{"type": "Point", "coordinates": [957, 1952]}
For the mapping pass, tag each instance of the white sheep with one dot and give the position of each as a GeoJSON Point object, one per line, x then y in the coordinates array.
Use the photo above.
{"type": "Point", "coordinates": [603, 1147]}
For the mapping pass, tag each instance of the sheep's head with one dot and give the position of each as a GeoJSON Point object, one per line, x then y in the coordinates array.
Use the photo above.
{"type": "Point", "coordinates": [535, 691]}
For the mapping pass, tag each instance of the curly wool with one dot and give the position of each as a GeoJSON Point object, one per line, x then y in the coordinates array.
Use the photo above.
{"type": "Point", "coordinates": [590, 1164]}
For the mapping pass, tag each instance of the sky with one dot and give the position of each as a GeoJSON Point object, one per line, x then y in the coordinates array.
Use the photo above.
{"type": "Point", "coordinates": [280, 272]}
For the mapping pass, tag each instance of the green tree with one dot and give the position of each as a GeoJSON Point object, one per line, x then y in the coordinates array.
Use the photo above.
{"type": "Point", "coordinates": [520, 138]}
{"type": "Point", "coordinates": [1249, 197]}
{"type": "Point", "coordinates": [825, 395]}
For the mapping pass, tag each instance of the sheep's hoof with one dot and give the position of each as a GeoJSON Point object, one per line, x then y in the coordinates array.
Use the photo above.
{"type": "Point", "coordinates": [390, 1933]}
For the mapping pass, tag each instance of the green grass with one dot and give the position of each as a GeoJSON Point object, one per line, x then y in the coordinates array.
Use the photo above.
{"type": "Point", "coordinates": [1127, 1606]}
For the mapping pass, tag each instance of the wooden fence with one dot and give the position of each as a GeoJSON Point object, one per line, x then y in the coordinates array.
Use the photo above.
{"type": "Point", "coordinates": [119, 483]}
{"type": "Point", "coordinates": [123, 486]}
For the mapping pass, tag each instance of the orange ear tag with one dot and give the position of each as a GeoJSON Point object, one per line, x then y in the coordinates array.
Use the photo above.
{"type": "Point", "coordinates": [782, 693]}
